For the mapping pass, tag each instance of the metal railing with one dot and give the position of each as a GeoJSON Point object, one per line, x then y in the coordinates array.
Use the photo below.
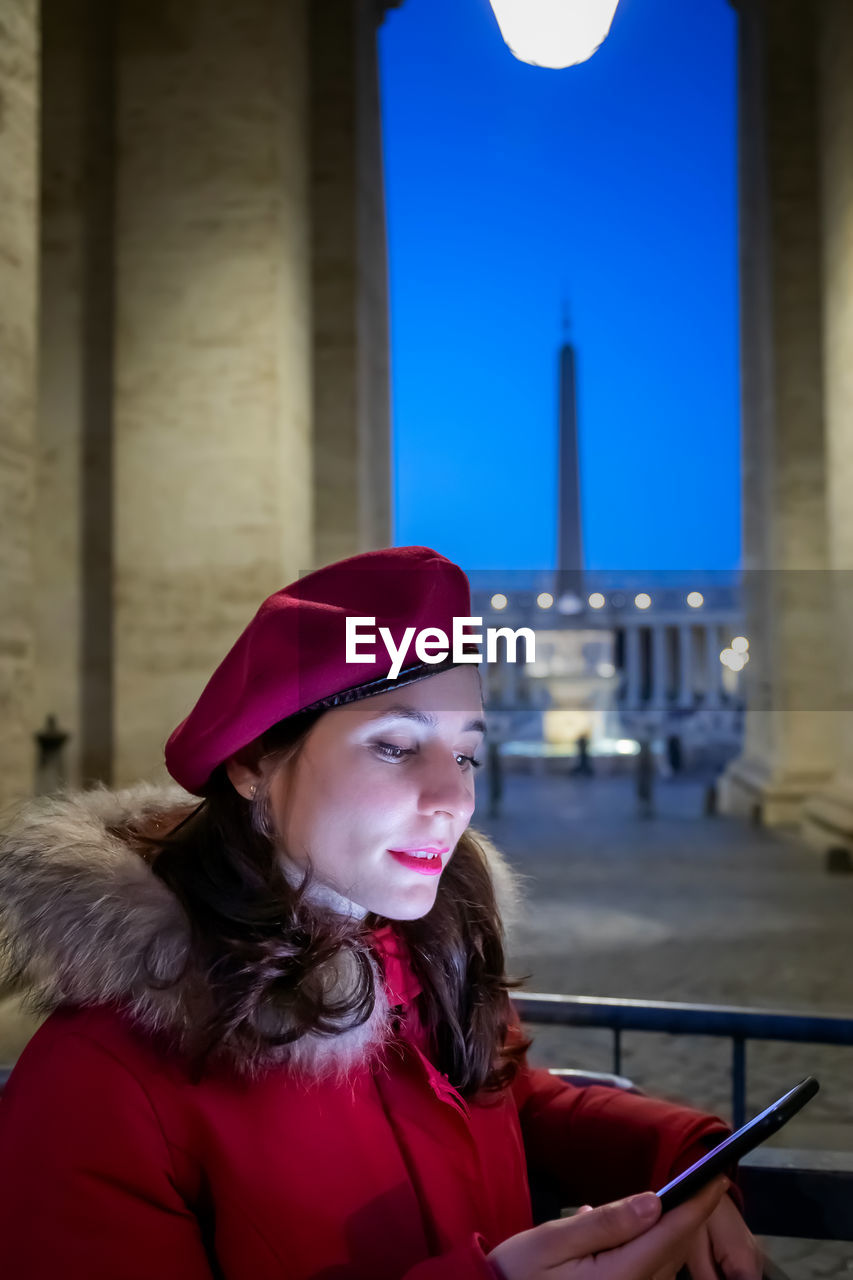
{"type": "Point", "coordinates": [727, 1021]}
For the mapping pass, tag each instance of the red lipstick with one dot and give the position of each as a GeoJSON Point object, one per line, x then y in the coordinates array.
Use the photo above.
{"type": "Point", "coordinates": [424, 866]}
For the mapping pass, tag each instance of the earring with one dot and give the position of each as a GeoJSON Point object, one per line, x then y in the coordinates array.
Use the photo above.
{"type": "Point", "coordinates": [252, 790]}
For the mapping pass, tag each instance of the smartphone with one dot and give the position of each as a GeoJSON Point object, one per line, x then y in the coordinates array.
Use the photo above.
{"type": "Point", "coordinates": [727, 1154]}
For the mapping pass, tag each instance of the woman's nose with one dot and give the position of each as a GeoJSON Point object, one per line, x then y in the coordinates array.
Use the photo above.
{"type": "Point", "coordinates": [447, 788]}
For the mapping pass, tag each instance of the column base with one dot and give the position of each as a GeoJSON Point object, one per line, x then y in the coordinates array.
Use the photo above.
{"type": "Point", "coordinates": [750, 789]}
{"type": "Point", "coordinates": [827, 819]}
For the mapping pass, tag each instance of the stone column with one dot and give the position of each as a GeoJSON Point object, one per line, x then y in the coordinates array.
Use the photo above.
{"type": "Point", "coordinates": [685, 666]}
{"type": "Point", "coordinates": [713, 674]}
{"type": "Point", "coordinates": [788, 748]}
{"type": "Point", "coordinates": [19, 152]}
{"type": "Point", "coordinates": [212, 446]}
{"type": "Point", "coordinates": [351, 398]}
{"type": "Point", "coordinates": [659, 699]}
{"type": "Point", "coordinates": [74, 532]}
{"type": "Point", "coordinates": [633, 674]}
{"type": "Point", "coordinates": [828, 816]}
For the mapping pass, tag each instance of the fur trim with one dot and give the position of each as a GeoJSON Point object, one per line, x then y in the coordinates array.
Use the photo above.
{"type": "Point", "coordinates": [83, 917]}
{"type": "Point", "coordinates": [84, 920]}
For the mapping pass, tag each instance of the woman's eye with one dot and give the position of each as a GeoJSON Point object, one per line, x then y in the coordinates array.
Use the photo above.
{"type": "Point", "coordinates": [390, 752]}
{"type": "Point", "coordinates": [474, 764]}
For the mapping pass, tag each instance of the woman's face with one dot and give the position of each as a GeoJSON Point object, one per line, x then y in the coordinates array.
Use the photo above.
{"type": "Point", "coordinates": [379, 781]}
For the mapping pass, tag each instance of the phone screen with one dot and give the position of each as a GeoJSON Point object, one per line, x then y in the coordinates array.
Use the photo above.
{"type": "Point", "coordinates": [738, 1144]}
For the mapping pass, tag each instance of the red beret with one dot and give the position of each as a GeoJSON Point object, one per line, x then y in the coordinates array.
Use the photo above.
{"type": "Point", "coordinates": [292, 655]}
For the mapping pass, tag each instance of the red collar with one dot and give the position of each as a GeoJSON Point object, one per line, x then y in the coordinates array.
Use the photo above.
{"type": "Point", "coordinates": [400, 979]}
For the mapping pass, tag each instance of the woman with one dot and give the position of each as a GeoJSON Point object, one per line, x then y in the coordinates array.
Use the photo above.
{"type": "Point", "coordinates": [281, 1042]}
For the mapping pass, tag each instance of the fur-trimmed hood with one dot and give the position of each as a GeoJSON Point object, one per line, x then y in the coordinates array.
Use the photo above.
{"type": "Point", "coordinates": [84, 921]}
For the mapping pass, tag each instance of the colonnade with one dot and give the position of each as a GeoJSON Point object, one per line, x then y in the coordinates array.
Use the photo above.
{"type": "Point", "coordinates": [194, 383]}
{"type": "Point", "coordinates": [683, 669]}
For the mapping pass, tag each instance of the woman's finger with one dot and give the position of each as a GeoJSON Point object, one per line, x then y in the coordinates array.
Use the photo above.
{"type": "Point", "coordinates": [596, 1230]}
{"type": "Point", "coordinates": [733, 1247]}
{"type": "Point", "coordinates": [669, 1241]}
{"type": "Point", "coordinates": [700, 1260]}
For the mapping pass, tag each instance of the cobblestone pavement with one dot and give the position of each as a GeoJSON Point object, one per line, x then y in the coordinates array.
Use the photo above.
{"type": "Point", "coordinates": [684, 907]}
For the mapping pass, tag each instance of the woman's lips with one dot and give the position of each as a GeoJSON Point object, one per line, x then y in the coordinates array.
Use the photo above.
{"type": "Point", "coordinates": [425, 866]}
{"type": "Point", "coordinates": [423, 848]}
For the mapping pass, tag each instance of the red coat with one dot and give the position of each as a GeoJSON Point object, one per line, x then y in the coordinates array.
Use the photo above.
{"type": "Point", "coordinates": [116, 1165]}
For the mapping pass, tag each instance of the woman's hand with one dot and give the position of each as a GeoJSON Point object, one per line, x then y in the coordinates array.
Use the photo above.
{"type": "Point", "coordinates": [620, 1241]}
{"type": "Point", "coordinates": [724, 1245]}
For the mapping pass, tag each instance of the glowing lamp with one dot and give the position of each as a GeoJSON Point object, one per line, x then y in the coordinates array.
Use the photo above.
{"type": "Point", "coordinates": [733, 660]}
{"type": "Point", "coordinates": [554, 33]}
{"type": "Point", "coordinates": [499, 600]}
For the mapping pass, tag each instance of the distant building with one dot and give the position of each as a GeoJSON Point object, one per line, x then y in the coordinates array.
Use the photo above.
{"type": "Point", "coordinates": [616, 671]}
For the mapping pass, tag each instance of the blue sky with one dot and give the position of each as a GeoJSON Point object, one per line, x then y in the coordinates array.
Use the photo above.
{"type": "Point", "coordinates": [612, 184]}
